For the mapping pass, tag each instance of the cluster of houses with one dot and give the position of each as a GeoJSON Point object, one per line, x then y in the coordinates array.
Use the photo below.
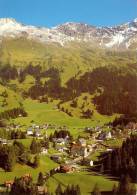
{"type": "Point", "coordinates": [5, 142]}
{"type": "Point", "coordinates": [104, 135]}
{"type": "Point", "coordinates": [42, 190]}
{"type": "Point", "coordinates": [74, 149]}
{"type": "Point", "coordinates": [61, 144]}
{"type": "Point", "coordinates": [98, 132]}
{"type": "Point", "coordinates": [79, 148]}
{"type": "Point", "coordinates": [132, 126]}
{"type": "Point", "coordinates": [36, 130]}
{"type": "Point", "coordinates": [71, 152]}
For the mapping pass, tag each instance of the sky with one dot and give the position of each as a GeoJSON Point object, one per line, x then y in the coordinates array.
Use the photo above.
{"type": "Point", "coordinates": [50, 13]}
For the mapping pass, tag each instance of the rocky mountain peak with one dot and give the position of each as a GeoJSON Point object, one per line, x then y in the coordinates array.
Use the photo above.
{"type": "Point", "coordinates": [122, 36]}
{"type": "Point", "coordinates": [7, 20]}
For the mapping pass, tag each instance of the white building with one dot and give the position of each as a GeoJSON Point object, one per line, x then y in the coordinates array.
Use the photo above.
{"type": "Point", "coordinates": [91, 163]}
{"type": "Point", "coordinates": [29, 132]}
{"type": "Point", "coordinates": [44, 151]}
{"type": "Point", "coordinates": [109, 135]}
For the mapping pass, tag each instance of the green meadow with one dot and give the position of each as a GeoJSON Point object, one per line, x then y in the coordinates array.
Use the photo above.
{"type": "Point", "coordinates": [71, 61]}
{"type": "Point", "coordinates": [48, 113]}
{"type": "Point", "coordinates": [19, 170]}
{"type": "Point", "coordinates": [86, 181]}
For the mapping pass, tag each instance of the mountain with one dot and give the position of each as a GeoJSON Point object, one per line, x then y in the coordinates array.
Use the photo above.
{"type": "Point", "coordinates": [118, 37]}
{"type": "Point", "coordinates": [76, 63]}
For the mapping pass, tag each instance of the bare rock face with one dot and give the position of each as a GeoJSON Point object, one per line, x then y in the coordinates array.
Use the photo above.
{"type": "Point", "coordinates": [119, 37]}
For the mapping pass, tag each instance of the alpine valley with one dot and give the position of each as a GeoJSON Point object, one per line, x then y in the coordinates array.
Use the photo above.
{"type": "Point", "coordinates": [68, 104]}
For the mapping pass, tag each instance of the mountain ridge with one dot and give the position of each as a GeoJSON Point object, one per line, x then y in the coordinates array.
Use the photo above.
{"type": "Point", "coordinates": [122, 36]}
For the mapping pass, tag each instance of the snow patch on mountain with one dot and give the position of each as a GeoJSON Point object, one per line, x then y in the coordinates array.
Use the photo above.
{"type": "Point", "coordinates": [109, 37]}
{"type": "Point", "coordinates": [135, 20]}
{"type": "Point", "coordinates": [116, 40]}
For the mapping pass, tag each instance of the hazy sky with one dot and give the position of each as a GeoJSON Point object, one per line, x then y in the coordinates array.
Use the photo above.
{"type": "Point", "coordinates": [52, 12]}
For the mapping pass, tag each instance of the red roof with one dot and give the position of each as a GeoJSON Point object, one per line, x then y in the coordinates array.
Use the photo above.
{"type": "Point", "coordinates": [66, 168]}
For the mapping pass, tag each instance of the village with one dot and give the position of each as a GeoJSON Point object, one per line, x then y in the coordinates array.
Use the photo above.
{"type": "Point", "coordinates": [71, 154]}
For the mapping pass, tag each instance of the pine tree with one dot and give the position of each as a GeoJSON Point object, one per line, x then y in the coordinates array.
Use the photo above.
{"type": "Point", "coordinates": [78, 190]}
{"type": "Point", "coordinates": [59, 190]}
{"type": "Point", "coordinates": [109, 162]}
{"type": "Point", "coordinates": [125, 185]}
{"type": "Point", "coordinates": [102, 168]}
{"type": "Point", "coordinates": [115, 189]}
{"type": "Point", "coordinates": [36, 161]}
{"type": "Point", "coordinates": [10, 159]}
{"type": "Point", "coordinates": [33, 146]}
{"type": "Point", "coordinates": [40, 181]}
{"type": "Point", "coordinates": [96, 190]}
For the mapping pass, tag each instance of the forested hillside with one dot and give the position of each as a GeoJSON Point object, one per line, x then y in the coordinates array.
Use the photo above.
{"type": "Point", "coordinates": [108, 77]}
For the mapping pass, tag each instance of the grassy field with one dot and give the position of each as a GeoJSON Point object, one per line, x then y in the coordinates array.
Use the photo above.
{"type": "Point", "coordinates": [26, 142]}
{"type": "Point", "coordinates": [41, 113]}
{"type": "Point", "coordinates": [73, 59]}
{"type": "Point", "coordinates": [45, 165]}
{"type": "Point", "coordinates": [12, 99]}
{"type": "Point", "coordinates": [85, 180]}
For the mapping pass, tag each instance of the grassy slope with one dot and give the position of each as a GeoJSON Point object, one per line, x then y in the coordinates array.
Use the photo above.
{"type": "Point", "coordinates": [25, 85]}
{"type": "Point", "coordinates": [13, 100]}
{"type": "Point", "coordinates": [45, 165]}
{"type": "Point", "coordinates": [74, 59]}
{"type": "Point", "coordinates": [46, 113]}
{"type": "Point", "coordinates": [70, 60]}
{"type": "Point", "coordinates": [83, 105]}
{"type": "Point", "coordinates": [79, 178]}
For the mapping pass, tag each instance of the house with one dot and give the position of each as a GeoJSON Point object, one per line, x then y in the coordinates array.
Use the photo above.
{"type": "Point", "coordinates": [57, 169]}
{"type": "Point", "coordinates": [5, 142]}
{"type": "Point", "coordinates": [104, 135]}
{"type": "Point", "coordinates": [109, 149]}
{"type": "Point", "coordinates": [27, 177]}
{"type": "Point", "coordinates": [44, 151]}
{"type": "Point", "coordinates": [8, 184]}
{"type": "Point", "coordinates": [131, 126]}
{"type": "Point", "coordinates": [37, 133]}
{"type": "Point", "coordinates": [30, 132]}
{"type": "Point", "coordinates": [66, 169]}
{"type": "Point", "coordinates": [78, 150]}
{"type": "Point", "coordinates": [56, 158]}
{"type": "Point", "coordinates": [42, 190]}
{"type": "Point", "coordinates": [59, 141]}
{"type": "Point", "coordinates": [82, 142]}
{"type": "Point", "coordinates": [91, 163]}
{"type": "Point", "coordinates": [89, 148]}
{"type": "Point", "coordinates": [108, 135]}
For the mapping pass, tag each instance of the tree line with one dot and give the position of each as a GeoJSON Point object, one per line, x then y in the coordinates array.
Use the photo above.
{"type": "Point", "coordinates": [13, 113]}
{"type": "Point", "coordinates": [115, 88]}
{"type": "Point", "coordinates": [28, 187]}
{"type": "Point", "coordinates": [121, 161]}
{"type": "Point", "coordinates": [17, 153]}
{"type": "Point", "coordinates": [60, 134]}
